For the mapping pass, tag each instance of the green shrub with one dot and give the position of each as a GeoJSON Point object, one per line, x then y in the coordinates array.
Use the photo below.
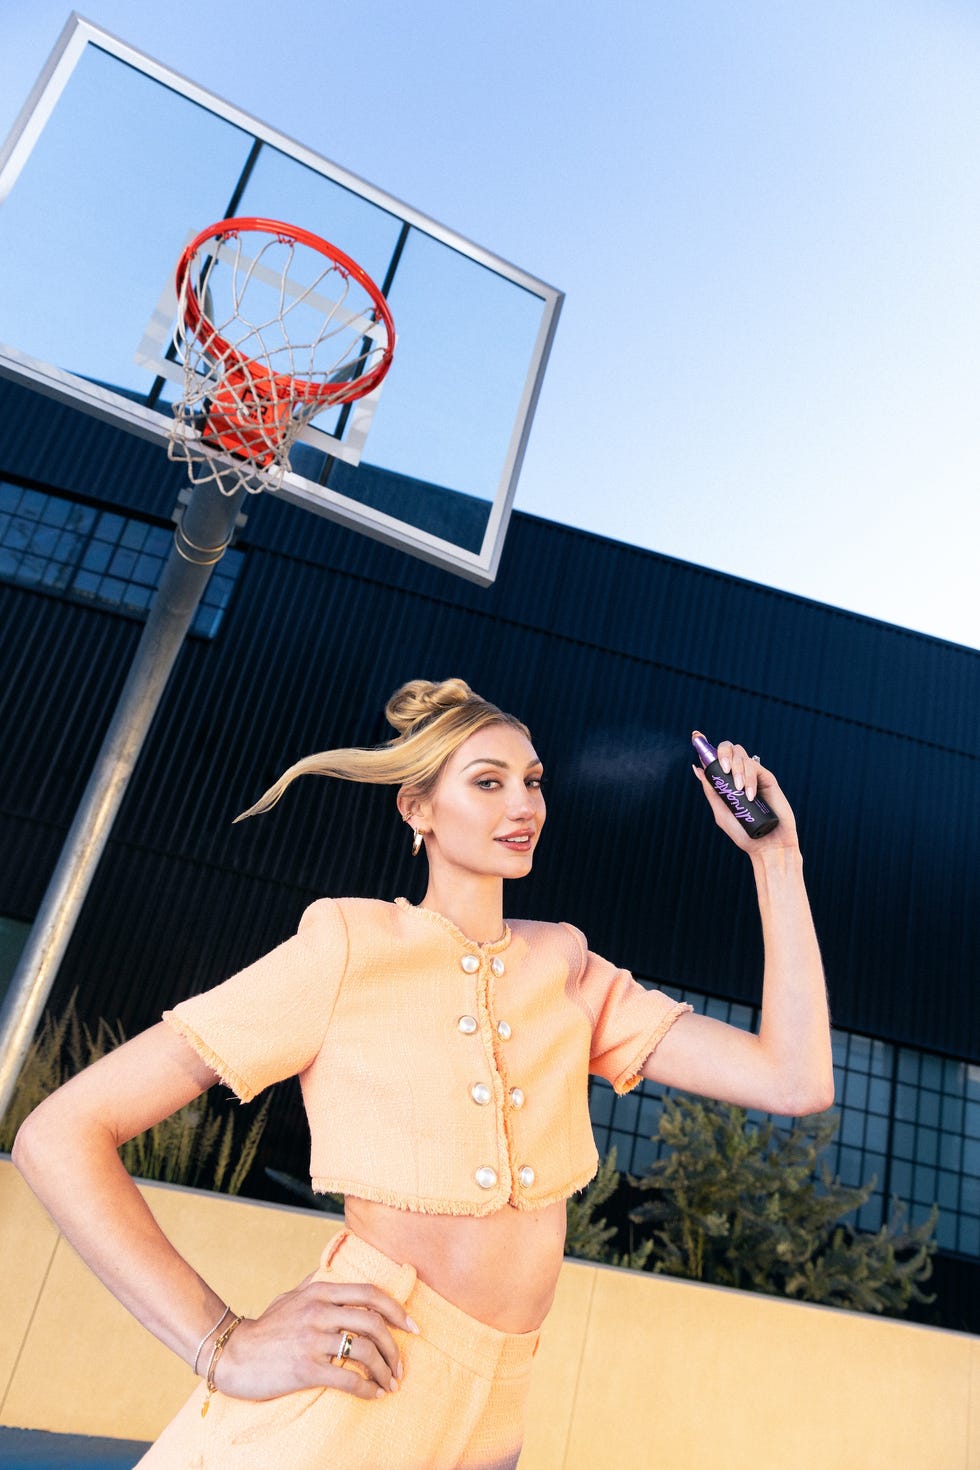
{"type": "Point", "coordinates": [590, 1238]}
{"type": "Point", "coordinates": [207, 1144]}
{"type": "Point", "coordinates": [755, 1207]}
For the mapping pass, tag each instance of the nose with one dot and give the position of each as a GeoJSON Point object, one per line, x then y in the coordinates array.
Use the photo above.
{"type": "Point", "coordinates": [523, 803]}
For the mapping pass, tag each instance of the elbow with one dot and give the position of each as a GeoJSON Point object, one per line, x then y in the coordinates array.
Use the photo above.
{"type": "Point", "coordinates": [38, 1139]}
{"type": "Point", "coordinates": [811, 1095]}
{"type": "Point", "coordinates": [28, 1145]}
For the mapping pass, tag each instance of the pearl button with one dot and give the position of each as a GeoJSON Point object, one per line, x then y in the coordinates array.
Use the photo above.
{"type": "Point", "coordinates": [517, 1097]}
{"type": "Point", "coordinates": [497, 966]}
{"type": "Point", "coordinates": [486, 1177]}
{"type": "Point", "coordinates": [526, 1176]}
{"type": "Point", "coordinates": [480, 1093]}
{"type": "Point", "coordinates": [470, 963]}
{"type": "Point", "coordinates": [467, 1024]}
{"type": "Point", "coordinates": [503, 1030]}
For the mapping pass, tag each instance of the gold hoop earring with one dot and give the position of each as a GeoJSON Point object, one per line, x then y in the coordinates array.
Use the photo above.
{"type": "Point", "coordinates": [416, 842]}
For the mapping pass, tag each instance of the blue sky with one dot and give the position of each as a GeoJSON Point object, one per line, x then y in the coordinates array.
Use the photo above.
{"type": "Point", "coordinates": [766, 218]}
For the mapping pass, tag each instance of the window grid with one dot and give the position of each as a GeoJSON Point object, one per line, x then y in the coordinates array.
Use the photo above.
{"type": "Point", "coordinates": [908, 1118]}
{"type": "Point", "coordinates": [100, 557]}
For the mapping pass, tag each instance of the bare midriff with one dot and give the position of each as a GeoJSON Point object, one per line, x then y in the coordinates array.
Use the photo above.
{"type": "Point", "coordinates": [501, 1269]}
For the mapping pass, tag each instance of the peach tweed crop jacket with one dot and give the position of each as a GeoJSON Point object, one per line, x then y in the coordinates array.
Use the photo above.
{"type": "Point", "coordinates": [438, 1074]}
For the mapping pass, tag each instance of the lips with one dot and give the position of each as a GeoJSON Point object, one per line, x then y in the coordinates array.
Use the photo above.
{"type": "Point", "coordinates": [516, 841]}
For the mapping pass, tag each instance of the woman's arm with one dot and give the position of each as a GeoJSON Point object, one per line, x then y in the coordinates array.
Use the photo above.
{"type": "Point", "coordinates": [787, 1068]}
{"type": "Point", "coordinates": [67, 1152]}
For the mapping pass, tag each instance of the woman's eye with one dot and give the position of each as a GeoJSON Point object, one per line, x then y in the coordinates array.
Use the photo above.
{"type": "Point", "coordinates": [535, 782]}
{"type": "Point", "coordinates": [487, 783]}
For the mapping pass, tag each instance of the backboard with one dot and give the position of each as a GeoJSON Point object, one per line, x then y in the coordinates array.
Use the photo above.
{"type": "Point", "coordinates": [116, 162]}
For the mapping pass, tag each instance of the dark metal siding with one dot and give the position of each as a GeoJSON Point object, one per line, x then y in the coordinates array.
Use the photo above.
{"type": "Point", "coordinates": [612, 654]}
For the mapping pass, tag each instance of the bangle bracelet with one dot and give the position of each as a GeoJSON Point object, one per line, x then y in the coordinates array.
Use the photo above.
{"type": "Point", "coordinates": [216, 1352]}
{"type": "Point", "coordinates": [208, 1334]}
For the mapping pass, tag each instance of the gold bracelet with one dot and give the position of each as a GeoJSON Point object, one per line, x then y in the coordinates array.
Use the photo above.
{"type": "Point", "coordinates": [216, 1352]}
{"type": "Point", "coordinates": [225, 1313]}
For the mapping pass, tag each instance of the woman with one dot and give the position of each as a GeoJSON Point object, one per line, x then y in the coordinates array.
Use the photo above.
{"type": "Point", "coordinates": [443, 1057]}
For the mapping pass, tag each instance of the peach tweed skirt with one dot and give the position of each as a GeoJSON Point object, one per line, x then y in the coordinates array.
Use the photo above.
{"type": "Point", "coordinates": [460, 1405]}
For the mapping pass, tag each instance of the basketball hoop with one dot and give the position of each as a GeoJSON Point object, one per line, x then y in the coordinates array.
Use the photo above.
{"type": "Point", "coordinates": [270, 334]}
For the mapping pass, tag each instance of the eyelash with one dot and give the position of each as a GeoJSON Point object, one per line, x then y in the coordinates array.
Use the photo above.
{"type": "Point", "coordinates": [490, 783]}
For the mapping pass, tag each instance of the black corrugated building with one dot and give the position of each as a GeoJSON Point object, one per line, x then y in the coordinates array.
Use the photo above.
{"type": "Point", "coordinates": [612, 654]}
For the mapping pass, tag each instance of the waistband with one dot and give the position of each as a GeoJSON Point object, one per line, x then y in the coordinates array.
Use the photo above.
{"type": "Point", "coordinates": [483, 1350]}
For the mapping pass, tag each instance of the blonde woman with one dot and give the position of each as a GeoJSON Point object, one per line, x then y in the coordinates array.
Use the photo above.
{"type": "Point", "coordinates": [444, 1057]}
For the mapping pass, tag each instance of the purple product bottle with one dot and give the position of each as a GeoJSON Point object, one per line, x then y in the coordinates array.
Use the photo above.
{"type": "Point", "coordinates": [755, 816]}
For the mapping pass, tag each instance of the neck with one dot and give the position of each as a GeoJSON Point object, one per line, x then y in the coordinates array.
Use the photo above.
{"type": "Point", "coordinates": [476, 906]}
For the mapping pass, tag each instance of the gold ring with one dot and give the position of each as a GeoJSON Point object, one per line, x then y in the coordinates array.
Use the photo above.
{"type": "Point", "coordinates": [346, 1343]}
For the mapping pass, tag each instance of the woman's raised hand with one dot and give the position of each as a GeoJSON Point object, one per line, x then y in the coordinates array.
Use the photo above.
{"type": "Point", "coordinates": [297, 1341]}
{"type": "Point", "coordinates": [751, 776]}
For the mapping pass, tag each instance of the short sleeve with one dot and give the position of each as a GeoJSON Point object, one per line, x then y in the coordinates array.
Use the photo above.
{"type": "Point", "coordinates": [628, 1021]}
{"type": "Point", "coordinates": [269, 1021]}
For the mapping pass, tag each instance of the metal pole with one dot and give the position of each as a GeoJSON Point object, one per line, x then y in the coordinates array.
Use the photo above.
{"type": "Point", "coordinates": [204, 531]}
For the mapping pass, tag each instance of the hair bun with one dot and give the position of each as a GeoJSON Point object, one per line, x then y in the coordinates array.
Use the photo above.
{"type": "Point", "coordinates": [423, 699]}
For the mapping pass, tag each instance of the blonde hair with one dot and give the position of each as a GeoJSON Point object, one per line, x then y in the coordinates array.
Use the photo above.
{"type": "Point", "coordinates": [432, 720]}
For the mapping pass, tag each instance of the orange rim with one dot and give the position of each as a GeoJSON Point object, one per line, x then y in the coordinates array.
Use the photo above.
{"type": "Point", "coordinates": [198, 325]}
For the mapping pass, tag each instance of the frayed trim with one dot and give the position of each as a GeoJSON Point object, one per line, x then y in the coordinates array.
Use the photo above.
{"type": "Point", "coordinates": [541, 1202]}
{"type": "Point", "coordinates": [425, 1205]}
{"type": "Point", "coordinates": [231, 1079]}
{"type": "Point", "coordinates": [417, 1204]}
{"type": "Point", "coordinates": [492, 947]}
{"type": "Point", "coordinates": [486, 1005]}
{"type": "Point", "coordinates": [632, 1075]}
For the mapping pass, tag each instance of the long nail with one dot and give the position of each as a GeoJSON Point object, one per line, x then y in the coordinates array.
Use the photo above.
{"type": "Point", "coordinates": [412, 1325]}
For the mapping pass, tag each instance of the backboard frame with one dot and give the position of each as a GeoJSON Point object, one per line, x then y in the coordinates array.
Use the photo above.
{"type": "Point", "coordinates": [91, 398]}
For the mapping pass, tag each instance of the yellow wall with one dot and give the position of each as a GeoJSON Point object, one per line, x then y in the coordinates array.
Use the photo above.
{"type": "Point", "coordinates": [633, 1369]}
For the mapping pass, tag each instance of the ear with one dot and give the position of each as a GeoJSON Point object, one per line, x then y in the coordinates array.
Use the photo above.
{"type": "Point", "coordinates": [409, 806]}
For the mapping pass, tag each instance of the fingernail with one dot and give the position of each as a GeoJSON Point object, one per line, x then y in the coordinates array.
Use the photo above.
{"type": "Point", "coordinates": [393, 1385]}
{"type": "Point", "coordinates": [400, 1369]}
{"type": "Point", "coordinates": [412, 1325]}
{"type": "Point", "coordinates": [380, 1394]}
{"type": "Point", "coordinates": [725, 765]}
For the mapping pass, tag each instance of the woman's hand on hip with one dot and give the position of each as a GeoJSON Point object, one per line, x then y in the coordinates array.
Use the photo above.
{"type": "Point", "coordinates": [298, 1340]}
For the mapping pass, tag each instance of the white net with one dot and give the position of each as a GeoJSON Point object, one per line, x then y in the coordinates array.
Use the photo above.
{"type": "Point", "coordinates": [269, 336]}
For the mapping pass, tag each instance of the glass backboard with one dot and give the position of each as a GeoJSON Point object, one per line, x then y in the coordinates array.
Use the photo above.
{"type": "Point", "coordinates": [116, 162]}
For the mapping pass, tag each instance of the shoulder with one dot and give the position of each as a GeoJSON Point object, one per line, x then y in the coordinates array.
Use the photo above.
{"type": "Point", "coordinates": [361, 923]}
{"type": "Point", "coordinates": [353, 913]}
{"type": "Point", "coordinates": [541, 938]}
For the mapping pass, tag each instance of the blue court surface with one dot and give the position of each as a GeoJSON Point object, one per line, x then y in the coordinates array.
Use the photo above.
{"type": "Point", "coordinates": [34, 1449]}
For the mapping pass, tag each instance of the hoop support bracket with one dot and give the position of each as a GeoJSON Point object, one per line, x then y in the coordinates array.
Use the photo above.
{"type": "Point", "coordinates": [200, 556]}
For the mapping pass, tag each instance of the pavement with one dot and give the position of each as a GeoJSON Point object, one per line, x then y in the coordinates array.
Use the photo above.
{"type": "Point", "coordinates": [35, 1449]}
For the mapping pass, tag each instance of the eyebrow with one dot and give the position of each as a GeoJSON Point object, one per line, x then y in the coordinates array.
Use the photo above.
{"type": "Point", "coordinates": [501, 765]}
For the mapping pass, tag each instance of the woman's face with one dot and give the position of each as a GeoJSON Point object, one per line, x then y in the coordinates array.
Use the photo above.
{"type": "Point", "coordinates": [487, 810]}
